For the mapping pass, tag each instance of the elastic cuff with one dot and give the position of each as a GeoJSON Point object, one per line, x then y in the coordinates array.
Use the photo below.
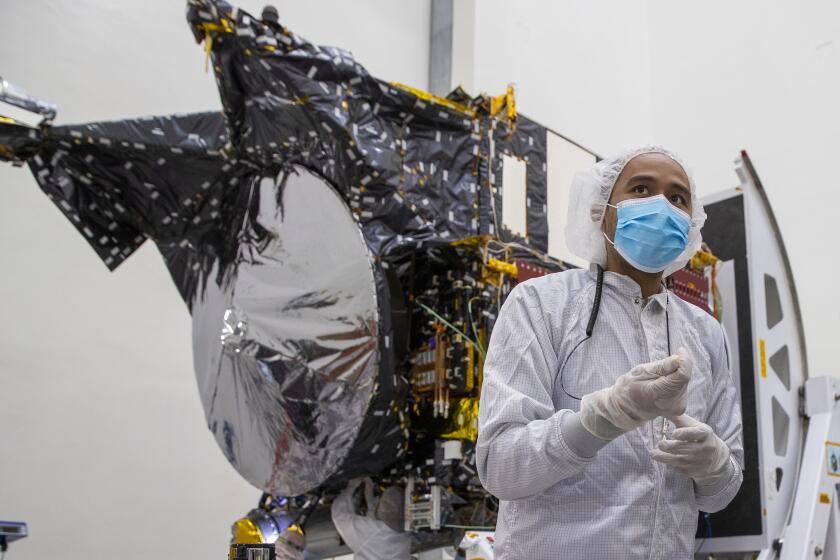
{"type": "Point", "coordinates": [578, 438]}
{"type": "Point", "coordinates": [594, 421]}
{"type": "Point", "coordinates": [713, 484]}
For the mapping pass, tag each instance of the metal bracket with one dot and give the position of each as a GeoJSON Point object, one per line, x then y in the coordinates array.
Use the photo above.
{"type": "Point", "coordinates": [815, 523]}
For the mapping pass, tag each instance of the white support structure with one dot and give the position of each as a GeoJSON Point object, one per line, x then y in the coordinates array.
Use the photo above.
{"type": "Point", "coordinates": [814, 527]}
{"type": "Point", "coordinates": [778, 367]}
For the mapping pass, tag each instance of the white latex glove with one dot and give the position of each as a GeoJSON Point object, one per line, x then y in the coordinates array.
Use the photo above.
{"type": "Point", "coordinates": [367, 536]}
{"type": "Point", "coordinates": [290, 545]}
{"type": "Point", "coordinates": [645, 392]}
{"type": "Point", "coordinates": [694, 450]}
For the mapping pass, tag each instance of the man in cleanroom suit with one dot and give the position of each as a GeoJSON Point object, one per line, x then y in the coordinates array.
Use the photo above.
{"type": "Point", "coordinates": [608, 413]}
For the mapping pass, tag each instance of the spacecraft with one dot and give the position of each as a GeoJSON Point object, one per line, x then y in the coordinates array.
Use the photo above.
{"type": "Point", "coordinates": [343, 245]}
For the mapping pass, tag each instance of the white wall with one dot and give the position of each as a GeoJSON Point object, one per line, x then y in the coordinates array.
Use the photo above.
{"type": "Point", "coordinates": [105, 450]}
{"type": "Point", "coordinates": [579, 69]}
{"type": "Point", "coordinates": [703, 78]}
{"type": "Point", "coordinates": [765, 77]}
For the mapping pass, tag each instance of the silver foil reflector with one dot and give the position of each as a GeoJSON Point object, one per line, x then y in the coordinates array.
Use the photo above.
{"type": "Point", "coordinates": [285, 340]}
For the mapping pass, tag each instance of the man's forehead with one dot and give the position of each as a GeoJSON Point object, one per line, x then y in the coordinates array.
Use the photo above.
{"type": "Point", "coordinates": [656, 163]}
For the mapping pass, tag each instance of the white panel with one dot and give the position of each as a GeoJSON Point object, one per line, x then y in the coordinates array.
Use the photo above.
{"type": "Point", "coordinates": [514, 189]}
{"type": "Point", "coordinates": [564, 160]}
{"type": "Point", "coordinates": [463, 44]}
{"type": "Point", "coordinates": [764, 257]}
{"type": "Point", "coordinates": [726, 288]}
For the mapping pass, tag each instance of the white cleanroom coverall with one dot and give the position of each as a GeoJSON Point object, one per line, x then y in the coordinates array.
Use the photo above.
{"type": "Point", "coordinates": [559, 499]}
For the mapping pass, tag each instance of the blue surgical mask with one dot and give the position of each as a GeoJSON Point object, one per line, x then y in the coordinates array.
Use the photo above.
{"type": "Point", "coordinates": [651, 233]}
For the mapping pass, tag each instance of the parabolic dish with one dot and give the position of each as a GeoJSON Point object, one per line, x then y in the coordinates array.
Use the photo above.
{"type": "Point", "coordinates": [285, 346]}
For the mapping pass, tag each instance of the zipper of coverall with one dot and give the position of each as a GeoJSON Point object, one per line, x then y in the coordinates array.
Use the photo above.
{"type": "Point", "coordinates": [660, 468]}
{"type": "Point", "coordinates": [658, 480]}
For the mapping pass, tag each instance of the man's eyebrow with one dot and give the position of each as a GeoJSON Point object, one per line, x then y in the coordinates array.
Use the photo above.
{"type": "Point", "coordinates": [641, 177]}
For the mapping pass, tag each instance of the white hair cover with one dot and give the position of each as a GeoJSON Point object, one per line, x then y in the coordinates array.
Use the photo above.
{"type": "Point", "coordinates": [588, 199]}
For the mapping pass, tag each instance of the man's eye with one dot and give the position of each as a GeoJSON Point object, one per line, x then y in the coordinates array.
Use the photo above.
{"type": "Point", "coordinates": [640, 189]}
{"type": "Point", "coordinates": [678, 199]}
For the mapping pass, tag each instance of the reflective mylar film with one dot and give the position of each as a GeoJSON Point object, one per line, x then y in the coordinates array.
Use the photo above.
{"type": "Point", "coordinates": [285, 343]}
